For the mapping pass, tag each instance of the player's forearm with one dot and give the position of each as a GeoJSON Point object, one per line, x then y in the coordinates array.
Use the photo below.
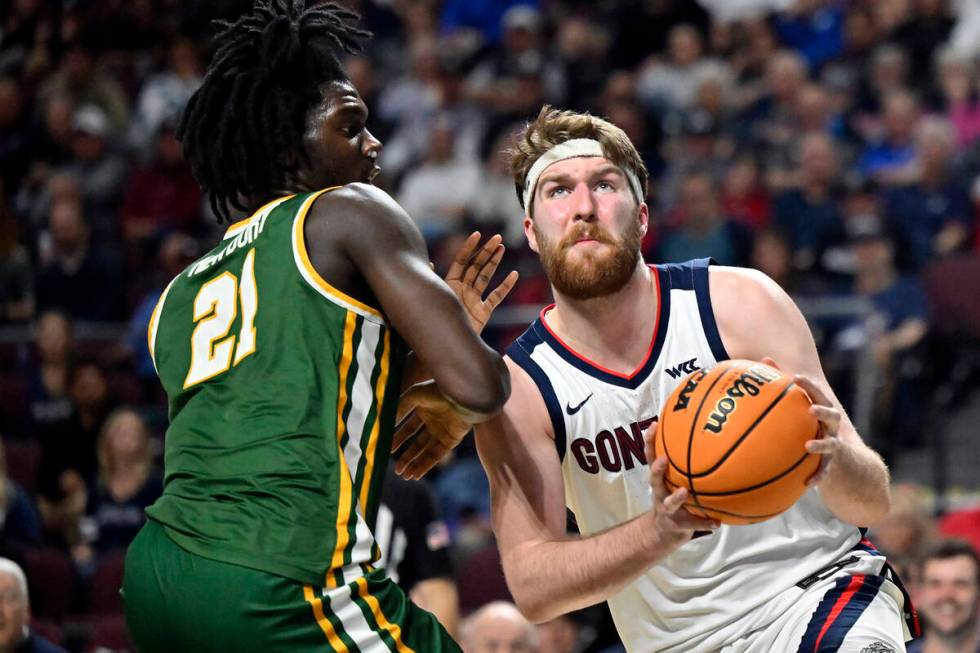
{"type": "Point", "coordinates": [856, 489]}
{"type": "Point", "coordinates": [548, 579]}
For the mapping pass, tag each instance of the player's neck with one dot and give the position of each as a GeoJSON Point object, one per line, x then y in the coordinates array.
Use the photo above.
{"type": "Point", "coordinates": [613, 330]}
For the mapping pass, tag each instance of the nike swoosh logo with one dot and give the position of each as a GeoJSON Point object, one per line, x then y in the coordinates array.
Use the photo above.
{"type": "Point", "coordinates": [572, 411]}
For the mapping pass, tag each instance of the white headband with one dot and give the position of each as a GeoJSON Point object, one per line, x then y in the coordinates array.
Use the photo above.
{"type": "Point", "coordinates": [570, 149]}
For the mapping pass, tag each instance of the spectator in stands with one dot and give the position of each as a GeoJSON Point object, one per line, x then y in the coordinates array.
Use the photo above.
{"type": "Point", "coordinates": [929, 27]}
{"type": "Point", "coordinates": [814, 28]}
{"type": "Point", "coordinates": [744, 197]}
{"type": "Point", "coordinates": [76, 268]}
{"type": "Point", "coordinates": [70, 443]}
{"type": "Point", "coordinates": [20, 524]}
{"type": "Point", "coordinates": [495, 207]}
{"type": "Point", "coordinates": [900, 323]}
{"type": "Point", "coordinates": [100, 169]}
{"type": "Point", "coordinates": [14, 153]}
{"type": "Point", "coordinates": [410, 102]}
{"type": "Point", "coordinates": [957, 82]}
{"type": "Point", "coordinates": [560, 635]}
{"type": "Point", "coordinates": [671, 85]}
{"type": "Point", "coordinates": [50, 140]}
{"type": "Point", "coordinates": [949, 600]}
{"type": "Point", "coordinates": [414, 543]}
{"type": "Point", "coordinates": [126, 484]}
{"type": "Point", "coordinates": [512, 80]}
{"type": "Point", "coordinates": [582, 49]}
{"type": "Point", "coordinates": [435, 194]}
{"type": "Point", "coordinates": [889, 160]}
{"type": "Point", "coordinates": [164, 95]}
{"type": "Point", "coordinates": [702, 229]}
{"type": "Point", "coordinates": [700, 145]}
{"type": "Point", "coordinates": [177, 251]}
{"type": "Point", "coordinates": [16, 273]}
{"type": "Point", "coordinates": [908, 529]}
{"type": "Point", "coordinates": [770, 123]}
{"type": "Point", "coordinates": [15, 613]}
{"type": "Point", "coordinates": [932, 215]}
{"type": "Point", "coordinates": [809, 213]}
{"type": "Point", "coordinates": [79, 77]}
{"type": "Point", "coordinates": [160, 197]}
{"type": "Point", "coordinates": [48, 401]}
{"type": "Point", "coordinates": [498, 627]}
{"type": "Point", "coordinates": [483, 16]}
{"type": "Point", "coordinates": [885, 73]}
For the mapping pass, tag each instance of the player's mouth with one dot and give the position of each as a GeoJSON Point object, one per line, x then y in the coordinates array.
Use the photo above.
{"type": "Point", "coordinates": [373, 173]}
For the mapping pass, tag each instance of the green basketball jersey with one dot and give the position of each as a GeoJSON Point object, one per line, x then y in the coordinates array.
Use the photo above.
{"type": "Point", "coordinates": [282, 394]}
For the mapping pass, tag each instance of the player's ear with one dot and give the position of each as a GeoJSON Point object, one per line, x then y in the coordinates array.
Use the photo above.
{"type": "Point", "coordinates": [532, 239]}
{"type": "Point", "coordinates": [644, 216]}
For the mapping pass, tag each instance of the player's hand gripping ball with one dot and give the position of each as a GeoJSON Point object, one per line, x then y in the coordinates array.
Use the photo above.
{"type": "Point", "coordinates": [734, 436]}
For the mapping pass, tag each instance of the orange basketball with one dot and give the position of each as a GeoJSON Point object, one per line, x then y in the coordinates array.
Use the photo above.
{"type": "Point", "coordinates": [734, 437]}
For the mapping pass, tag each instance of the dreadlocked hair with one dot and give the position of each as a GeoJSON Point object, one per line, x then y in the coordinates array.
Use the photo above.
{"type": "Point", "coordinates": [242, 129]}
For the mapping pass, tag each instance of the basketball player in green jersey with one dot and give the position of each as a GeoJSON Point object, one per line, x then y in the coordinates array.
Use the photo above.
{"type": "Point", "coordinates": [282, 353]}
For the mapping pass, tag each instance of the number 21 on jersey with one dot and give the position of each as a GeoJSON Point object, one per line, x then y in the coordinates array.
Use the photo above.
{"type": "Point", "coordinates": [213, 351]}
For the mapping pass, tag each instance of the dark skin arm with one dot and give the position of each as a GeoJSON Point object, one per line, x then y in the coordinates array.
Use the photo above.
{"type": "Point", "coordinates": [365, 245]}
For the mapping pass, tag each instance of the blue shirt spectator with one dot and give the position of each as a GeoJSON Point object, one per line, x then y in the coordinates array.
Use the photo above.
{"type": "Point", "coordinates": [817, 35]}
{"type": "Point", "coordinates": [918, 213]}
{"type": "Point", "coordinates": [810, 223]}
{"type": "Point", "coordinates": [483, 15]}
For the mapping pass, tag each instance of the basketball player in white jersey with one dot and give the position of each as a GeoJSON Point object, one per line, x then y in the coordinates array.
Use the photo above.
{"type": "Point", "coordinates": [589, 378]}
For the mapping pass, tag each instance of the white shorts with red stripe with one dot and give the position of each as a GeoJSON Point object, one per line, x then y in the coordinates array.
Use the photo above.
{"type": "Point", "coordinates": [849, 612]}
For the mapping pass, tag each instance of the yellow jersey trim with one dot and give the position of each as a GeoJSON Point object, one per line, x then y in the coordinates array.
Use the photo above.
{"type": "Point", "coordinates": [346, 483]}
{"type": "Point", "coordinates": [313, 277]}
{"type": "Point", "coordinates": [335, 642]}
{"type": "Point", "coordinates": [237, 227]}
{"type": "Point", "coordinates": [151, 328]}
{"type": "Point", "coordinates": [372, 446]}
{"type": "Point", "coordinates": [393, 629]}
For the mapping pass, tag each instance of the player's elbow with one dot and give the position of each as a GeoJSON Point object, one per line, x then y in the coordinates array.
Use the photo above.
{"type": "Point", "coordinates": [535, 609]}
{"type": "Point", "coordinates": [484, 389]}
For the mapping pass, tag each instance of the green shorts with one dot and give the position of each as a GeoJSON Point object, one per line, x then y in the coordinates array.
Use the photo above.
{"type": "Point", "coordinates": [178, 601]}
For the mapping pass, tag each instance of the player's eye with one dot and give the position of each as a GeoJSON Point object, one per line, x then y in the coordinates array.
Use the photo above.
{"type": "Point", "coordinates": [353, 130]}
{"type": "Point", "coordinates": [557, 190]}
{"type": "Point", "coordinates": [605, 185]}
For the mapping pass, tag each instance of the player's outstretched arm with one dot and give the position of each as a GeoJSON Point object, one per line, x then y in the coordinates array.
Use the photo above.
{"type": "Point", "coordinates": [548, 572]}
{"type": "Point", "coordinates": [380, 239]}
{"type": "Point", "coordinates": [757, 320]}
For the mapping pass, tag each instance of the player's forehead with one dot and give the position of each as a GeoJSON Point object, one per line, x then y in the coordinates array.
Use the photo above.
{"type": "Point", "coordinates": [579, 167]}
{"type": "Point", "coordinates": [341, 98]}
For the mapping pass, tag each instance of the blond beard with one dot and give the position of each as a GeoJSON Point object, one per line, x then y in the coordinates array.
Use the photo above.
{"type": "Point", "coordinates": [593, 274]}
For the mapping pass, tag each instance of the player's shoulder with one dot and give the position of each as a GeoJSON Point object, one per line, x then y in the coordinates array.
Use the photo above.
{"type": "Point", "coordinates": [360, 209]}
{"type": "Point", "coordinates": [744, 292]}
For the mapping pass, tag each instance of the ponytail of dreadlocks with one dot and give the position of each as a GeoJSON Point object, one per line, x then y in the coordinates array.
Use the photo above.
{"type": "Point", "coordinates": [242, 130]}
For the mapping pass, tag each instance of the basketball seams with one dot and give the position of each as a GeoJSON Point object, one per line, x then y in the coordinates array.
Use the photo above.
{"type": "Point", "coordinates": [744, 435]}
{"type": "Point", "coordinates": [775, 478]}
{"type": "Point", "coordinates": [690, 439]}
{"type": "Point", "coordinates": [733, 514]}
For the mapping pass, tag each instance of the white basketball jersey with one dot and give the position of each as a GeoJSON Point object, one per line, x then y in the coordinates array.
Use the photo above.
{"type": "Point", "coordinates": [718, 587]}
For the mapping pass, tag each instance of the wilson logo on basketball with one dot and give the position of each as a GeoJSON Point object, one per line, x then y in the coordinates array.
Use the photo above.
{"type": "Point", "coordinates": [747, 383]}
{"type": "Point", "coordinates": [684, 396]}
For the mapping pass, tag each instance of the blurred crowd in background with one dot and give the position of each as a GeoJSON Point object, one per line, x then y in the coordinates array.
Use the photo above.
{"type": "Point", "coordinates": [832, 144]}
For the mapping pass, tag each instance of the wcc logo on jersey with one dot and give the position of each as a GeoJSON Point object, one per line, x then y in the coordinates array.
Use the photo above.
{"type": "Point", "coordinates": [614, 450]}
{"type": "Point", "coordinates": [685, 368]}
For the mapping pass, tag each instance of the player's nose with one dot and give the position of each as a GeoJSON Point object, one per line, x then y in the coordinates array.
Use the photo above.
{"type": "Point", "coordinates": [583, 203]}
{"type": "Point", "coordinates": [371, 146]}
